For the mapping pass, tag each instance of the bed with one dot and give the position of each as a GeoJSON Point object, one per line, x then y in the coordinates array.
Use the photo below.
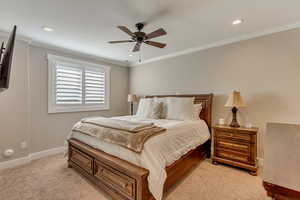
{"type": "Point", "coordinates": [127, 179]}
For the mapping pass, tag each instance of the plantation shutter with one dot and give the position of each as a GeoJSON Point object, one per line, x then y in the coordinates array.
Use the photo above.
{"type": "Point", "coordinates": [68, 85]}
{"type": "Point", "coordinates": [75, 86]}
{"type": "Point", "coordinates": [94, 82]}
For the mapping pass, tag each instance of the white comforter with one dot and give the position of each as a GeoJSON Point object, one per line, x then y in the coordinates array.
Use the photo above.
{"type": "Point", "coordinates": [159, 151]}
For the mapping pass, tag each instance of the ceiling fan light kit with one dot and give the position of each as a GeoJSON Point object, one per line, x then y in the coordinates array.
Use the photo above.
{"type": "Point", "coordinates": [140, 37]}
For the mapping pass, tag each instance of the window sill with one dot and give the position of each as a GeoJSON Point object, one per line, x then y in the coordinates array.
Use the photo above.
{"type": "Point", "coordinates": [58, 109]}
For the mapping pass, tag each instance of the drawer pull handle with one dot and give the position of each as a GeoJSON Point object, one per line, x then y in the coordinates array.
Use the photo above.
{"type": "Point", "coordinates": [113, 178]}
{"type": "Point", "coordinates": [234, 145]}
{"type": "Point", "coordinates": [233, 156]}
{"type": "Point", "coordinates": [234, 136]}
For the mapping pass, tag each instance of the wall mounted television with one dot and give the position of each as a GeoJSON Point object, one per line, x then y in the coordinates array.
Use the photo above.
{"type": "Point", "coordinates": [6, 56]}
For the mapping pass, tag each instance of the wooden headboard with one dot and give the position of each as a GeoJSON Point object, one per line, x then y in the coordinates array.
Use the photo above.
{"type": "Point", "coordinates": [205, 99]}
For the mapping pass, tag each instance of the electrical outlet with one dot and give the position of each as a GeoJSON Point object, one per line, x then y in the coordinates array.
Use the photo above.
{"type": "Point", "coordinates": [8, 153]}
{"type": "Point", "coordinates": [23, 145]}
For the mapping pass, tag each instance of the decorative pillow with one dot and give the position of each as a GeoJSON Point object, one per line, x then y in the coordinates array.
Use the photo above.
{"type": "Point", "coordinates": [197, 111]}
{"type": "Point", "coordinates": [164, 107]}
{"type": "Point", "coordinates": [180, 108]}
{"type": "Point", "coordinates": [148, 108]}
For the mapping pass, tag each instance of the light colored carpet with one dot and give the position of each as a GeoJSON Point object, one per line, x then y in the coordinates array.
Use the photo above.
{"type": "Point", "coordinates": [50, 179]}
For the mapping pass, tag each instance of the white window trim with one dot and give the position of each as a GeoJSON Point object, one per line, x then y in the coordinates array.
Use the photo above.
{"type": "Point", "coordinates": [53, 107]}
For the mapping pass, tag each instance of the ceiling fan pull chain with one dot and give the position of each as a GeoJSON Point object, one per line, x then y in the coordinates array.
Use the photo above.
{"type": "Point", "coordinates": [140, 59]}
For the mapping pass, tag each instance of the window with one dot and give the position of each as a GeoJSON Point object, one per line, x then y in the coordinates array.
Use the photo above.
{"type": "Point", "coordinates": [77, 86]}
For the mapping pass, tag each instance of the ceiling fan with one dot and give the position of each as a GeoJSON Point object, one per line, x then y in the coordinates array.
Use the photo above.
{"type": "Point", "coordinates": [141, 37]}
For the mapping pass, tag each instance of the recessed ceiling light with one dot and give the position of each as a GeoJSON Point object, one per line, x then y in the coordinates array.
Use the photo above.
{"type": "Point", "coordinates": [130, 55]}
{"type": "Point", "coordinates": [48, 29]}
{"type": "Point", "coordinates": [237, 21]}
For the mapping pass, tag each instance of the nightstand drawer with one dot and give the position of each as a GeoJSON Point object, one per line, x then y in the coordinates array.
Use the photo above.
{"type": "Point", "coordinates": [232, 145]}
{"type": "Point", "coordinates": [232, 155]}
{"type": "Point", "coordinates": [235, 146]}
{"type": "Point", "coordinates": [233, 135]}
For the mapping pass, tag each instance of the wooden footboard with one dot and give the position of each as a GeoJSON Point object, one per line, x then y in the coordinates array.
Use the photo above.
{"type": "Point", "coordinates": [121, 179]}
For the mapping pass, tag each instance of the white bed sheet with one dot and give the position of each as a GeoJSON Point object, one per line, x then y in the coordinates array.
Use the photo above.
{"type": "Point", "coordinates": [159, 151]}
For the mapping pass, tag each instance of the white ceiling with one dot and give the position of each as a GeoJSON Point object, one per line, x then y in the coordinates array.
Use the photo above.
{"type": "Point", "coordinates": [87, 25]}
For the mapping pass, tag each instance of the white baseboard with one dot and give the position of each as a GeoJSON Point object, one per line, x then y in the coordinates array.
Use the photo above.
{"type": "Point", "coordinates": [260, 162]}
{"type": "Point", "coordinates": [49, 152]}
{"type": "Point", "coordinates": [15, 162]}
{"type": "Point", "coordinates": [54, 151]}
{"type": "Point", "coordinates": [31, 157]}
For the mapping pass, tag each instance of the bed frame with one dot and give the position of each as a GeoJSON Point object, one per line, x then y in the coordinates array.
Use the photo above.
{"type": "Point", "coordinates": [123, 180]}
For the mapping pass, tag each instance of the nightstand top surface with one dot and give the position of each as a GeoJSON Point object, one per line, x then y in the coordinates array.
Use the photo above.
{"type": "Point", "coordinates": [253, 129]}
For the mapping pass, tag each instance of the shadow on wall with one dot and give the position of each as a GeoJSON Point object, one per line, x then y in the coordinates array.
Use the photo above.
{"type": "Point", "coordinates": [264, 107]}
{"type": "Point", "coordinates": [260, 108]}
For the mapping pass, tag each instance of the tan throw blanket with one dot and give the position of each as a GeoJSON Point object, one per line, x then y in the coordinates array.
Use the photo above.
{"type": "Point", "coordinates": [131, 135]}
{"type": "Point", "coordinates": [118, 124]}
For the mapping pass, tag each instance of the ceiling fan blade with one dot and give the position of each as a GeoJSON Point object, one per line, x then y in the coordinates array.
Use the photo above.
{"type": "Point", "coordinates": [137, 47]}
{"type": "Point", "coordinates": [156, 44]}
{"type": "Point", "coordinates": [126, 30]}
{"type": "Point", "coordinates": [157, 33]}
{"type": "Point", "coordinates": [120, 41]}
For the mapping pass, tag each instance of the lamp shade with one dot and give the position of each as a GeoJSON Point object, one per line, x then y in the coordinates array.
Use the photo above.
{"type": "Point", "coordinates": [132, 98]}
{"type": "Point", "coordinates": [235, 100]}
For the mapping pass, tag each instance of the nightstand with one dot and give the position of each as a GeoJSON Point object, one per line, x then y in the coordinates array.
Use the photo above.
{"type": "Point", "coordinates": [236, 147]}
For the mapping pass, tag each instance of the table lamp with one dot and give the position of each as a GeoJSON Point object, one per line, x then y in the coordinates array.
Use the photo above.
{"type": "Point", "coordinates": [131, 98]}
{"type": "Point", "coordinates": [235, 101]}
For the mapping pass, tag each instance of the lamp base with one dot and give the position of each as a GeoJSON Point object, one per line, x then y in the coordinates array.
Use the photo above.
{"type": "Point", "coordinates": [131, 108]}
{"type": "Point", "coordinates": [234, 122]}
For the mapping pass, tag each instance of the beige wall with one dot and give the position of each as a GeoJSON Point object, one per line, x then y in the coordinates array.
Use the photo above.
{"type": "Point", "coordinates": [266, 70]}
{"type": "Point", "coordinates": [23, 108]}
{"type": "Point", "coordinates": [14, 121]}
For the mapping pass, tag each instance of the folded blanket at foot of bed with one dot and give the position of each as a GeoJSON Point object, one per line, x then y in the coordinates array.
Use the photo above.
{"type": "Point", "coordinates": [131, 135]}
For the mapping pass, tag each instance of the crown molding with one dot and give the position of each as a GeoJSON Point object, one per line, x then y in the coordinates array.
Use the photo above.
{"type": "Point", "coordinates": [18, 36]}
{"type": "Point", "coordinates": [220, 43]}
{"type": "Point", "coordinates": [171, 55]}
{"type": "Point", "coordinates": [78, 53]}
{"type": "Point", "coordinates": [32, 42]}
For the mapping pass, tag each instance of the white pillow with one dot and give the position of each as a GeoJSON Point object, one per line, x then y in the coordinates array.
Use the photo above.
{"type": "Point", "coordinates": [197, 111]}
{"type": "Point", "coordinates": [148, 108]}
{"type": "Point", "coordinates": [180, 108]}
